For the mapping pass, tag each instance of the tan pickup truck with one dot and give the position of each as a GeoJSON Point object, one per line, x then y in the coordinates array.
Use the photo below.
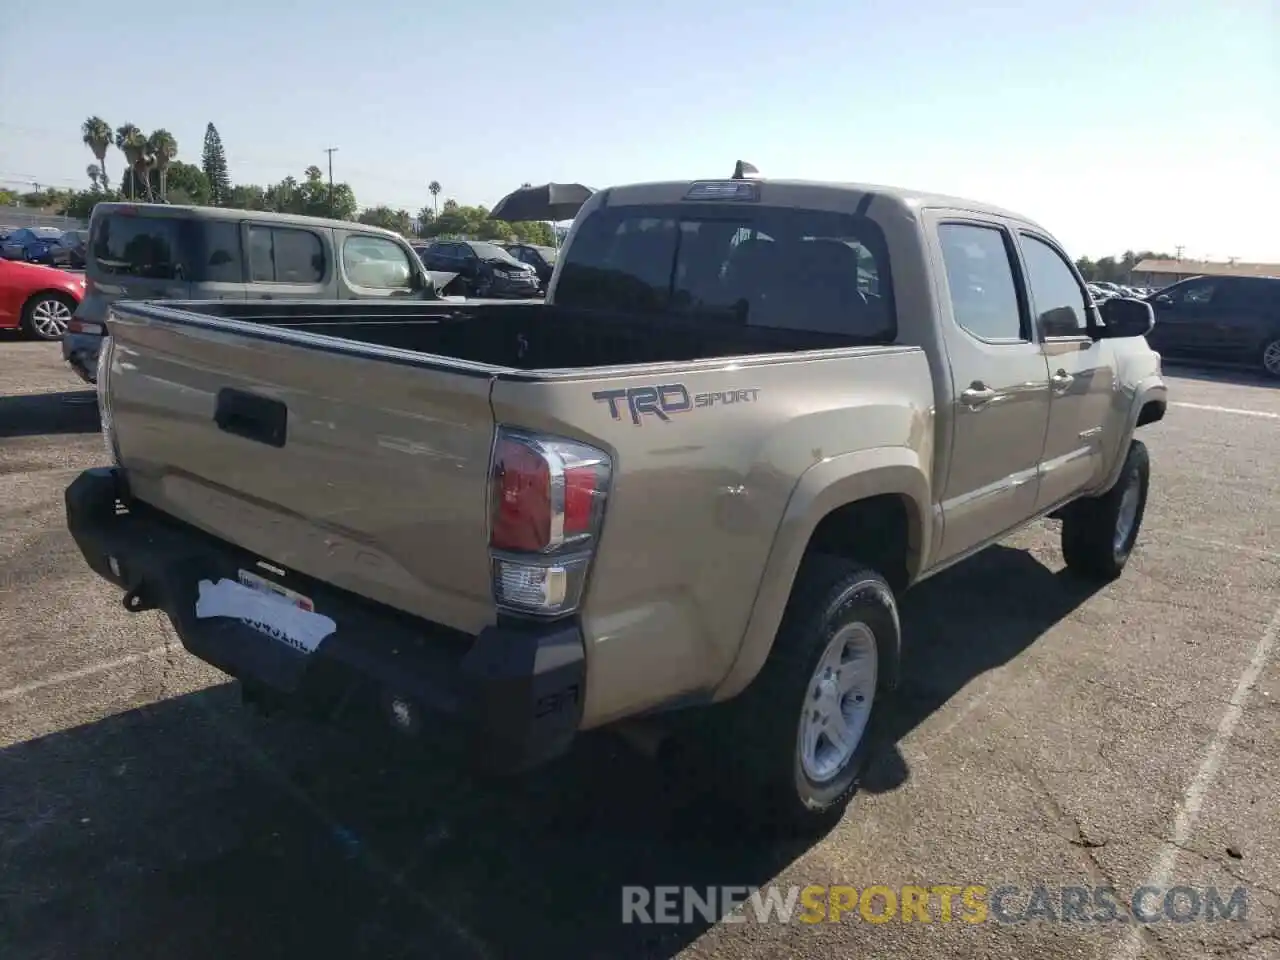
{"type": "Point", "coordinates": [748, 416]}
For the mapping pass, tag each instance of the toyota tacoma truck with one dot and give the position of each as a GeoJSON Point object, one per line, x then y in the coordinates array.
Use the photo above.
{"type": "Point", "coordinates": [693, 483]}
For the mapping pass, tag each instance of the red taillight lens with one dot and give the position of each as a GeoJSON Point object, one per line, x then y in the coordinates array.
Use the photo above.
{"type": "Point", "coordinates": [547, 492]}
{"type": "Point", "coordinates": [522, 498]}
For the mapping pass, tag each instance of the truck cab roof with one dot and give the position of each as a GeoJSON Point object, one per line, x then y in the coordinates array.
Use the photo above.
{"type": "Point", "coordinates": [813, 194]}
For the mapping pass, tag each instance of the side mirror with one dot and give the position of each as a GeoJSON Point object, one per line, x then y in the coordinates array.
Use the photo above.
{"type": "Point", "coordinates": [1163, 299]}
{"type": "Point", "coordinates": [1124, 317]}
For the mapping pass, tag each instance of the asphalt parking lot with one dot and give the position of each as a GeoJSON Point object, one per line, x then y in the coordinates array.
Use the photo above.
{"type": "Point", "coordinates": [1046, 735]}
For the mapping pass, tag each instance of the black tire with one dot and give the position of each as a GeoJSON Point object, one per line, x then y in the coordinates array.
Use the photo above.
{"type": "Point", "coordinates": [32, 323]}
{"type": "Point", "coordinates": [1269, 358]}
{"type": "Point", "coordinates": [758, 733]}
{"type": "Point", "coordinates": [1091, 542]}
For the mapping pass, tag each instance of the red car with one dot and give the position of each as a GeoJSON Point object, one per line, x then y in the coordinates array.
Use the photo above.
{"type": "Point", "coordinates": [38, 299]}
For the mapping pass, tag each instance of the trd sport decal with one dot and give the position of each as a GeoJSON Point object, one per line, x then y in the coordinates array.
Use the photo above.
{"type": "Point", "coordinates": [665, 399]}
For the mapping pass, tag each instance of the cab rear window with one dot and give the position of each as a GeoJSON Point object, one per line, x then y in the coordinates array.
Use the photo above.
{"type": "Point", "coordinates": [773, 267]}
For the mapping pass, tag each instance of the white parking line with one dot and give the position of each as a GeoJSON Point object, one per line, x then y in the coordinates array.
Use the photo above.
{"type": "Point", "coordinates": [25, 689]}
{"type": "Point", "coordinates": [1193, 799]}
{"type": "Point", "coordinates": [1264, 414]}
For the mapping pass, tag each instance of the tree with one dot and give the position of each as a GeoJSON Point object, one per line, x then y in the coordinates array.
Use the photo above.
{"type": "Point", "coordinates": [434, 189]}
{"type": "Point", "coordinates": [8, 198]}
{"type": "Point", "coordinates": [95, 173]}
{"type": "Point", "coordinates": [455, 220]}
{"type": "Point", "coordinates": [214, 163]}
{"type": "Point", "coordinates": [388, 219]}
{"type": "Point", "coordinates": [95, 133]}
{"type": "Point", "coordinates": [247, 196]}
{"type": "Point", "coordinates": [81, 203]}
{"type": "Point", "coordinates": [534, 231]}
{"type": "Point", "coordinates": [162, 148]}
{"type": "Point", "coordinates": [131, 142]}
{"type": "Point", "coordinates": [310, 197]}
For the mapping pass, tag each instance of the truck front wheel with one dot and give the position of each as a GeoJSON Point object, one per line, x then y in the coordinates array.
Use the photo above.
{"type": "Point", "coordinates": [802, 732]}
{"type": "Point", "coordinates": [1098, 533]}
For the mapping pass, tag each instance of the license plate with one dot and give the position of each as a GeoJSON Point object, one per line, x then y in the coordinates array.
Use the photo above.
{"type": "Point", "coordinates": [263, 585]}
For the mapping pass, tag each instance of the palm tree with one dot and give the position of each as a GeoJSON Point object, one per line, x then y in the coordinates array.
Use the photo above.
{"type": "Point", "coordinates": [131, 142]}
{"type": "Point", "coordinates": [94, 171]}
{"type": "Point", "coordinates": [96, 135]}
{"type": "Point", "coordinates": [163, 148]}
{"type": "Point", "coordinates": [434, 188]}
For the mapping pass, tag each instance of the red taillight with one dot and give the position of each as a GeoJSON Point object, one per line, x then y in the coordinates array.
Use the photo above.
{"type": "Point", "coordinates": [522, 495]}
{"type": "Point", "coordinates": [547, 505]}
{"type": "Point", "coordinates": [547, 492]}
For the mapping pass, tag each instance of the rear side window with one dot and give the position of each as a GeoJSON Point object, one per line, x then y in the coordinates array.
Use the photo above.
{"type": "Point", "coordinates": [143, 247]}
{"type": "Point", "coordinates": [217, 256]}
{"type": "Point", "coordinates": [774, 267]}
{"type": "Point", "coordinates": [285, 255]}
{"type": "Point", "coordinates": [984, 298]}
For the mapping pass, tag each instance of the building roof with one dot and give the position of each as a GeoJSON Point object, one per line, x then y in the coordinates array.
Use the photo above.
{"type": "Point", "coordinates": [1208, 268]}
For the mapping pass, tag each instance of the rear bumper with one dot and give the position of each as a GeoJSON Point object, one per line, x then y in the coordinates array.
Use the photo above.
{"type": "Point", "coordinates": [510, 697]}
{"type": "Point", "coordinates": [80, 350]}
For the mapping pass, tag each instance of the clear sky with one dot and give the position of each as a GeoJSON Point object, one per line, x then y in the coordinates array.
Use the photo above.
{"type": "Point", "coordinates": [1116, 124]}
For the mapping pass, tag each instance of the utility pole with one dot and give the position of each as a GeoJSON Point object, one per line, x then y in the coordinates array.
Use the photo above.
{"type": "Point", "coordinates": [330, 151]}
{"type": "Point", "coordinates": [1177, 252]}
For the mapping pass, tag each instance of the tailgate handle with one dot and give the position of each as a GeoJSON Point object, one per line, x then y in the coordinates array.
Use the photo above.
{"type": "Point", "coordinates": [248, 415]}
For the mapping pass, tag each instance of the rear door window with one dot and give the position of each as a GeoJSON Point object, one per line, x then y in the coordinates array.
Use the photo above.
{"type": "Point", "coordinates": [773, 267]}
{"type": "Point", "coordinates": [142, 247]}
{"type": "Point", "coordinates": [285, 255]}
{"type": "Point", "coordinates": [216, 251]}
{"type": "Point", "coordinates": [984, 296]}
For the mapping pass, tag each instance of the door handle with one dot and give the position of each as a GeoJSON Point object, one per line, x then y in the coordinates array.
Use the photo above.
{"type": "Point", "coordinates": [977, 397]}
{"type": "Point", "coordinates": [1062, 380]}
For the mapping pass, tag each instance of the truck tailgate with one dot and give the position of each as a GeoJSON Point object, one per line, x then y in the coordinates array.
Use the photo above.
{"type": "Point", "coordinates": [365, 471]}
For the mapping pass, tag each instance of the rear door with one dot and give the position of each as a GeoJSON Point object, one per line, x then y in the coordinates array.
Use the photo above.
{"type": "Point", "coordinates": [288, 262]}
{"type": "Point", "coordinates": [135, 255]}
{"type": "Point", "coordinates": [1082, 373]}
{"type": "Point", "coordinates": [1000, 401]}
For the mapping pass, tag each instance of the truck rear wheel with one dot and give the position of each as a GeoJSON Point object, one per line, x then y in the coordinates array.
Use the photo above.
{"type": "Point", "coordinates": [1098, 533]}
{"type": "Point", "coordinates": [800, 736]}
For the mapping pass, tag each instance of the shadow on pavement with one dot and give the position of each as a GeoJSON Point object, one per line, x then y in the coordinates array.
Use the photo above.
{"type": "Point", "coordinates": [47, 414]}
{"type": "Point", "coordinates": [1237, 376]}
{"type": "Point", "coordinates": [193, 828]}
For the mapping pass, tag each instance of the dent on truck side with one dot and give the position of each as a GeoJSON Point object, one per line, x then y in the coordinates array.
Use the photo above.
{"type": "Point", "coordinates": [900, 473]}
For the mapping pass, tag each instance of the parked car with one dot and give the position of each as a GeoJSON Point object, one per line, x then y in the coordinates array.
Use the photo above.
{"type": "Point", "coordinates": [75, 242]}
{"type": "Point", "coordinates": [542, 259]}
{"type": "Point", "coordinates": [697, 477]}
{"type": "Point", "coordinates": [38, 300]}
{"type": "Point", "coordinates": [1230, 319]}
{"type": "Point", "coordinates": [37, 245]}
{"type": "Point", "coordinates": [149, 251]}
{"type": "Point", "coordinates": [486, 269]}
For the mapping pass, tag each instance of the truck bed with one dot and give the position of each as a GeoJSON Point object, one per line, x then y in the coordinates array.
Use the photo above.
{"type": "Point", "coordinates": [523, 335]}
